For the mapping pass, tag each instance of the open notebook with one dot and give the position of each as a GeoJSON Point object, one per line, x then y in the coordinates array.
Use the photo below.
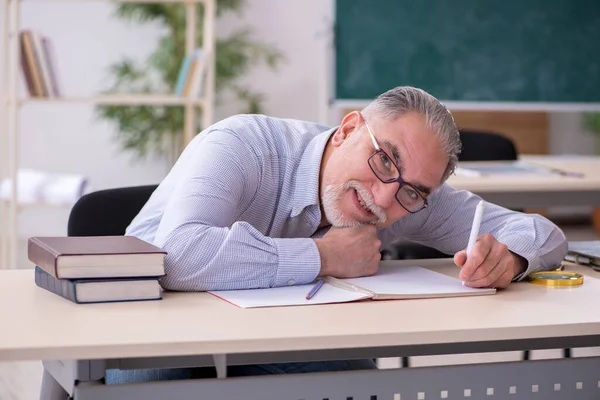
{"type": "Point", "coordinates": [390, 282]}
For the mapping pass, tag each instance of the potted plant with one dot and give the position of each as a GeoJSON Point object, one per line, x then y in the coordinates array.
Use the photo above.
{"type": "Point", "coordinates": [145, 130]}
{"type": "Point", "coordinates": [591, 123]}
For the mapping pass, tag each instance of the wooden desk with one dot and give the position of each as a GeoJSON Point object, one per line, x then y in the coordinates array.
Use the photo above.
{"type": "Point", "coordinates": [201, 324]}
{"type": "Point", "coordinates": [530, 191]}
{"type": "Point", "coordinates": [198, 326]}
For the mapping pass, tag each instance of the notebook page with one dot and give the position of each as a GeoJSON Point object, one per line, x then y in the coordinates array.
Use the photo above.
{"type": "Point", "coordinates": [287, 296]}
{"type": "Point", "coordinates": [413, 281]}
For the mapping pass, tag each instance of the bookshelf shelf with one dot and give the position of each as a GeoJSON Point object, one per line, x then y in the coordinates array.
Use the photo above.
{"type": "Point", "coordinates": [40, 204]}
{"type": "Point", "coordinates": [11, 101]}
{"type": "Point", "coordinates": [150, 99]}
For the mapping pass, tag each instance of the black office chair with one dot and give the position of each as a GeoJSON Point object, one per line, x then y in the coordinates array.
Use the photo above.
{"type": "Point", "coordinates": [486, 146]}
{"type": "Point", "coordinates": [107, 212]}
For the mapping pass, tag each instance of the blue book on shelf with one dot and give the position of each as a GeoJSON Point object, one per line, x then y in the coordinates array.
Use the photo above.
{"type": "Point", "coordinates": [184, 71]}
{"type": "Point", "coordinates": [103, 290]}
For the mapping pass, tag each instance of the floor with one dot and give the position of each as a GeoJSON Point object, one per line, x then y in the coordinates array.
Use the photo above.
{"type": "Point", "coordinates": [21, 380]}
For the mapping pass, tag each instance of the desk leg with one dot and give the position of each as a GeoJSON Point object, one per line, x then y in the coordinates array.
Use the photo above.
{"type": "Point", "coordinates": [51, 389]}
{"type": "Point", "coordinates": [221, 365]}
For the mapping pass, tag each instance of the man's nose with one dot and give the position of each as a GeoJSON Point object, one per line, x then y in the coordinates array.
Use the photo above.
{"type": "Point", "coordinates": [385, 194]}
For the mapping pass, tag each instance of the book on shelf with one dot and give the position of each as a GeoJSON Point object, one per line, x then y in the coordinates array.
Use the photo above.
{"type": "Point", "coordinates": [191, 74]}
{"type": "Point", "coordinates": [105, 290]}
{"type": "Point", "coordinates": [38, 63]}
{"type": "Point", "coordinates": [76, 257]}
{"type": "Point", "coordinates": [389, 283]}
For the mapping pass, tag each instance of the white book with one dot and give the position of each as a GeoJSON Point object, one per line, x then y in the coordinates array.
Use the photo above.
{"type": "Point", "coordinates": [390, 283]}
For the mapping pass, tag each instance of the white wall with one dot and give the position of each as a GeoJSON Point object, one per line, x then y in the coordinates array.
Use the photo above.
{"type": "Point", "coordinates": [299, 29]}
{"type": "Point", "coordinates": [66, 138]}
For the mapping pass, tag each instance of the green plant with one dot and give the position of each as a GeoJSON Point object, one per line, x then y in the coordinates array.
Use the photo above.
{"type": "Point", "coordinates": [591, 124]}
{"type": "Point", "coordinates": [144, 130]}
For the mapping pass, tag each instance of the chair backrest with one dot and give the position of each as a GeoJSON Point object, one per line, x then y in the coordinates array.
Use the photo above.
{"type": "Point", "coordinates": [486, 146]}
{"type": "Point", "coordinates": [107, 212]}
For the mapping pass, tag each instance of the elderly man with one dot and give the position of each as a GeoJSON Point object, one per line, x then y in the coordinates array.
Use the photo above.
{"type": "Point", "coordinates": [258, 202]}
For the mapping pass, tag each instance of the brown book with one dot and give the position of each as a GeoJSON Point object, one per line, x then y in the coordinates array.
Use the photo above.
{"type": "Point", "coordinates": [25, 67]}
{"type": "Point", "coordinates": [31, 59]}
{"type": "Point", "coordinates": [73, 257]}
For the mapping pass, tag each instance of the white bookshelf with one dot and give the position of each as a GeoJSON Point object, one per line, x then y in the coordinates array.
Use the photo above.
{"type": "Point", "coordinates": [119, 100]}
{"type": "Point", "coordinates": [11, 102]}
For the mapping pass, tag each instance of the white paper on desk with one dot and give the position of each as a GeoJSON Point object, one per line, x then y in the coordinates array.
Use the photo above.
{"type": "Point", "coordinates": [502, 168]}
{"type": "Point", "coordinates": [390, 282]}
{"type": "Point", "coordinates": [287, 296]}
{"type": "Point", "coordinates": [410, 282]}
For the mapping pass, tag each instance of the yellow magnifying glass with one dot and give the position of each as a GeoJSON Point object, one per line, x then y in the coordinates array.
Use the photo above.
{"type": "Point", "coordinates": [556, 278]}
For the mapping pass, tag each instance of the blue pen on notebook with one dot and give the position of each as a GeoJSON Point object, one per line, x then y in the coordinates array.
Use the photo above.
{"type": "Point", "coordinates": [315, 289]}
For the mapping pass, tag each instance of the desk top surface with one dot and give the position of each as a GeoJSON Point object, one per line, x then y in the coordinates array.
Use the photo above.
{"type": "Point", "coordinates": [589, 166]}
{"type": "Point", "coordinates": [40, 325]}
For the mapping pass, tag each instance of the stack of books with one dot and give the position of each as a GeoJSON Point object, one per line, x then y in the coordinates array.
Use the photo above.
{"type": "Point", "coordinates": [97, 269]}
{"type": "Point", "coordinates": [38, 64]}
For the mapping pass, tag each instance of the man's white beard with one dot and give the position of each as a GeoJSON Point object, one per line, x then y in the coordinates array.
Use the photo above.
{"type": "Point", "coordinates": [332, 196]}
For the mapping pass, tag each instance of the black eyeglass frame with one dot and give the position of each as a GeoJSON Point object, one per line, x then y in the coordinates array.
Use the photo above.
{"type": "Point", "coordinates": [401, 182]}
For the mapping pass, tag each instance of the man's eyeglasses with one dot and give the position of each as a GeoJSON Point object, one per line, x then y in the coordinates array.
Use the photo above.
{"type": "Point", "coordinates": [386, 170]}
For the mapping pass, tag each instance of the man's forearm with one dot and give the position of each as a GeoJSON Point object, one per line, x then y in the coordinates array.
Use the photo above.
{"type": "Point", "coordinates": [201, 258]}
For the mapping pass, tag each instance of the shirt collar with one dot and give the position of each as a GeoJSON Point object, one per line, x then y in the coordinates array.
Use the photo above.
{"type": "Point", "coordinates": [306, 190]}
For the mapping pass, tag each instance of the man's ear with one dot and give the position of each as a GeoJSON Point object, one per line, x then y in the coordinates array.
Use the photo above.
{"type": "Point", "coordinates": [350, 124]}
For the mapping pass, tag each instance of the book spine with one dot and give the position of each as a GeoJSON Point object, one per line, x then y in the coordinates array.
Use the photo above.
{"type": "Point", "coordinates": [42, 64]}
{"type": "Point", "coordinates": [198, 78]}
{"type": "Point", "coordinates": [42, 256]}
{"type": "Point", "coordinates": [182, 77]}
{"type": "Point", "coordinates": [62, 287]}
{"type": "Point", "coordinates": [31, 59]}
{"type": "Point", "coordinates": [195, 65]}
{"type": "Point", "coordinates": [25, 67]}
{"type": "Point", "coordinates": [50, 57]}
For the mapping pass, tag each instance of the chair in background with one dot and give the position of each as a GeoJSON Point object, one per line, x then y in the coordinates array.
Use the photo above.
{"type": "Point", "coordinates": [486, 146]}
{"type": "Point", "coordinates": [107, 212]}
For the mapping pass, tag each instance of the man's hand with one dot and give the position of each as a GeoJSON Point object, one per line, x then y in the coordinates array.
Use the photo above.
{"type": "Point", "coordinates": [349, 252]}
{"type": "Point", "coordinates": [490, 264]}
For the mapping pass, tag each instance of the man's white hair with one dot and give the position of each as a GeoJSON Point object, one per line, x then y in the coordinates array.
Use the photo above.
{"type": "Point", "coordinates": [404, 99]}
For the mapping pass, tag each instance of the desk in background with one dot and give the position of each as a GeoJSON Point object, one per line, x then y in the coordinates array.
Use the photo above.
{"type": "Point", "coordinates": [530, 191]}
{"type": "Point", "coordinates": [197, 329]}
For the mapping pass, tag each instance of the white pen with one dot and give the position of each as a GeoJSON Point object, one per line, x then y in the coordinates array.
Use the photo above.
{"type": "Point", "coordinates": [475, 226]}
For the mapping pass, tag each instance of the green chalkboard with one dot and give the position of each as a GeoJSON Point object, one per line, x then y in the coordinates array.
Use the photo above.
{"type": "Point", "coordinates": [470, 50]}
